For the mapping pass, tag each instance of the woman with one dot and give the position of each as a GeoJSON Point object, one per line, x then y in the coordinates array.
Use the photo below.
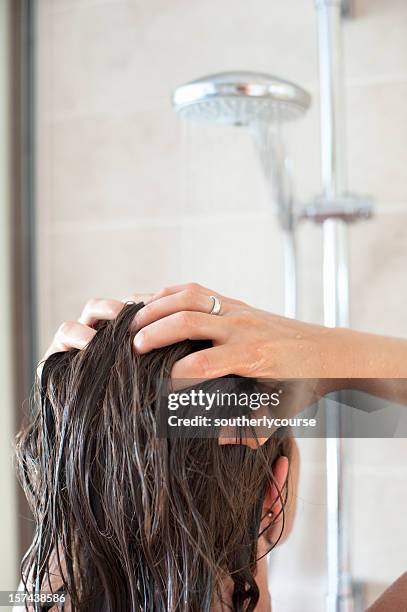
{"type": "Point", "coordinates": [249, 342]}
{"type": "Point", "coordinates": [126, 519]}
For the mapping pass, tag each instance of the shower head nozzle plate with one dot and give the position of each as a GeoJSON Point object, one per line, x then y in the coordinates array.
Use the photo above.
{"type": "Point", "coordinates": [240, 98]}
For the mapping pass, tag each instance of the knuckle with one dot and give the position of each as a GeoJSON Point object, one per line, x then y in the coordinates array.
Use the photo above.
{"type": "Point", "coordinates": [200, 364]}
{"type": "Point", "coordinates": [243, 318]}
{"type": "Point", "coordinates": [188, 296]}
{"type": "Point", "coordinates": [145, 312]}
{"type": "Point", "coordinates": [186, 319]}
{"type": "Point", "coordinates": [92, 304]}
{"type": "Point", "coordinates": [111, 308]}
{"type": "Point", "coordinates": [193, 287]}
{"type": "Point", "coordinates": [164, 291]}
{"type": "Point", "coordinates": [65, 328]}
{"type": "Point", "coordinates": [102, 308]}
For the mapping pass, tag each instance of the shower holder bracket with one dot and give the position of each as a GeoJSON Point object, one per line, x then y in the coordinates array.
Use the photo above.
{"type": "Point", "coordinates": [348, 208]}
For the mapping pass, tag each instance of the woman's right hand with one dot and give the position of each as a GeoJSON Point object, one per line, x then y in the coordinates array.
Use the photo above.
{"type": "Point", "coordinates": [78, 334]}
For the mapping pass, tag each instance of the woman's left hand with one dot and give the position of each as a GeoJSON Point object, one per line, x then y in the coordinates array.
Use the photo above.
{"type": "Point", "coordinates": [246, 341]}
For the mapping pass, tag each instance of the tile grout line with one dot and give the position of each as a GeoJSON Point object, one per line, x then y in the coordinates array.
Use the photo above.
{"type": "Point", "coordinates": [137, 223]}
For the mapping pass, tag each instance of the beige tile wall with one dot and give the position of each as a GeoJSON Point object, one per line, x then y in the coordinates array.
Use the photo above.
{"type": "Point", "coordinates": [129, 198]}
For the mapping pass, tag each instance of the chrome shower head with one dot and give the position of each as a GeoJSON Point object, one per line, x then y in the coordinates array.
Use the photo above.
{"type": "Point", "coordinates": [240, 98]}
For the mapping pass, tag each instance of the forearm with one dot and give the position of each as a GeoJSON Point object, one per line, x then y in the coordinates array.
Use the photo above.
{"type": "Point", "coordinates": [368, 362]}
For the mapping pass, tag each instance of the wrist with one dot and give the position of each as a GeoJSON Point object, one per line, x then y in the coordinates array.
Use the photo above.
{"type": "Point", "coordinates": [354, 358]}
{"type": "Point", "coordinates": [339, 358]}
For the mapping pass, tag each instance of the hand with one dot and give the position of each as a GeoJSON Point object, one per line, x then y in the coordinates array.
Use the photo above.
{"type": "Point", "coordinates": [246, 341]}
{"type": "Point", "coordinates": [254, 343]}
{"type": "Point", "coordinates": [77, 334]}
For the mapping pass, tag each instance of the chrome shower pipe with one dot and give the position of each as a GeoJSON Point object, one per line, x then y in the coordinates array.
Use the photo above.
{"type": "Point", "coordinates": [336, 291]}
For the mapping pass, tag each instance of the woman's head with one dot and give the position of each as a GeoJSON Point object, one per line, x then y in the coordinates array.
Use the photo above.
{"type": "Point", "coordinates": [129, 520]}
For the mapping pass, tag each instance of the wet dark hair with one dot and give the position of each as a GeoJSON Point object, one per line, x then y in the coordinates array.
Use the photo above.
{"type": "Point", "coordinates": [127, 520]}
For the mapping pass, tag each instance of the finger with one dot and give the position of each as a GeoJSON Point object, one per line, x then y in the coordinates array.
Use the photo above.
{"type": "Point", "coordinates": [207, 364]}
{"type": "Point", "coordinates": [194, 287]}
{"type": "Point", "coordinates": [139, 297]}
{"type": "Point", "coordinates": [182, 287]}
{"type": "Point", "coordinates": [180, 326]}
{"type": "Point", "coordinates": [71, 334]}
{"type": "Point", "coordinates": [100, 309]}
{"type": "Point", "coordinates": [185, 300]}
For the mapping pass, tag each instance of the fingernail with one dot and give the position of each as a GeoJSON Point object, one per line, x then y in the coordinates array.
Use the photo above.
{"type": "Point", "coordinates": [138, 341]}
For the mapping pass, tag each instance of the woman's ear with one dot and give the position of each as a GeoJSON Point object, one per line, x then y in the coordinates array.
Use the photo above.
{"type": "Point", "coordinates": [274, 498]}
{"type": "Point", "coordinates": [284, 471]}
{"type": "Point", "coordinates": [274, 501]}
